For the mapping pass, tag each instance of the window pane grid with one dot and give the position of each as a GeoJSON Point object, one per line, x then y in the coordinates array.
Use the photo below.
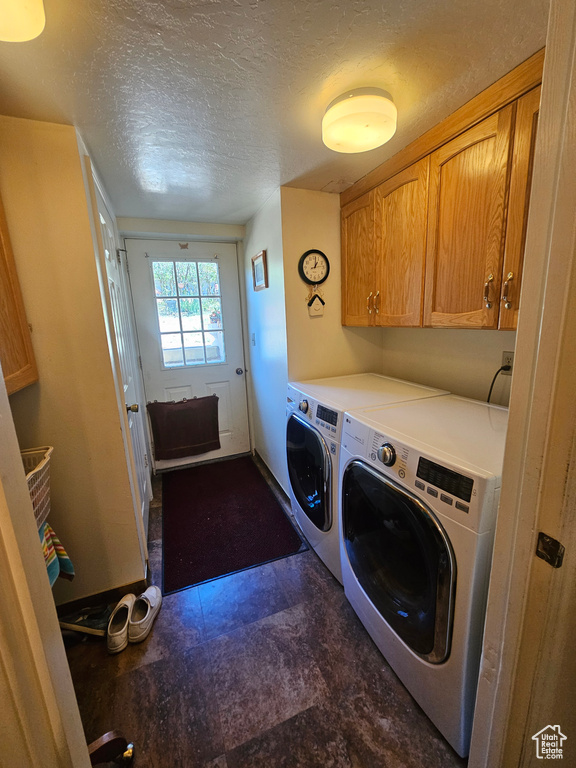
{"type": "Point", "coordinates": [189, 313]}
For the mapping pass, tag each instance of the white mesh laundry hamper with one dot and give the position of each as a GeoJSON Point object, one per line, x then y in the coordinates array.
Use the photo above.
{"type": "Point", "coordinates": [36, 463]}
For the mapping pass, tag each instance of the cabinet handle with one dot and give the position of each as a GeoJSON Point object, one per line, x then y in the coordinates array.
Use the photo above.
{"type": "Point", "coordinates": [505, 299]}
{"type": "Point", "coordinates": [368, 300]}
{"type": "Point", "coordinates": [377, 303]}
{"type": "Point", "coordinates": [487, 301]}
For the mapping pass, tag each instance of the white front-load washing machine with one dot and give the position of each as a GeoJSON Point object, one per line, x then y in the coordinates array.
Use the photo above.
{"type": "Point", "coordinates": [314, 421]}
{"type": "Point", "coordinates": [420, 485]}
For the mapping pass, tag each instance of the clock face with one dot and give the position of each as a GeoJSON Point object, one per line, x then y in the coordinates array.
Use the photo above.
{"type": "Point", "coordinates": [313, 267]}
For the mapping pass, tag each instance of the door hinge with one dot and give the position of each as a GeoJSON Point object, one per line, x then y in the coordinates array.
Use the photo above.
{"type": "Point", "coordinates": [550, 550]}
{"type": "Point", "coordinates": [145, 459]}
{"type": "Point", "coordinates": [140, 363]}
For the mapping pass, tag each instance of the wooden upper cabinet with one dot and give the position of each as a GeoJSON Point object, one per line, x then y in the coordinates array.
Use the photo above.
{"type": "Point", "coordinates": [16, 353]}
{"type": "Point", "coordinates": [519, 198]}
{"type": "Point", "coordinates": [401, 206]}
{"type": "Point", "coordinates": [466, 226]}
{"type": "Point", "coordinates": [358, 261]}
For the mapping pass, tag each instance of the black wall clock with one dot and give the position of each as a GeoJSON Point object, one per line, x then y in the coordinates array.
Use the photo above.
{"type": "Point", "coordinates": [314, 267]}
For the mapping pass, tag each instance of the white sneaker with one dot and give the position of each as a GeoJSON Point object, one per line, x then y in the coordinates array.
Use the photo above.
{"type": "Point", "coordinates": [143, 614]}
{"type": "Point", "coordinates": [117, 635]}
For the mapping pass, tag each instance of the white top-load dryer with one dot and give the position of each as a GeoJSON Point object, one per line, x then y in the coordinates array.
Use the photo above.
{"type": "Point", "coordinates": [315, 409]}
{"type": "Point", "coordinates": [420, 485]}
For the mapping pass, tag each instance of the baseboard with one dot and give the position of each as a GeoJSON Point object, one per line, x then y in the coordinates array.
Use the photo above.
{"type": "Point", "coordinates": [275, 486]}
{"type": "Point", "coordinates": [102, 598]}
{"type": "Point", "coordinates": [168, 465]}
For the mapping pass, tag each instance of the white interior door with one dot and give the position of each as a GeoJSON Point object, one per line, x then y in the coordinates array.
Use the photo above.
{"type": "Point", "coordinates": [187, 305]}
{"type": "Point", "coordinates": [127, 350]}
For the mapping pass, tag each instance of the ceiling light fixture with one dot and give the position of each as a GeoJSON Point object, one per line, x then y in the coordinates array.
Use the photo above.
{"type": "Point", "coordinates": [359, 120]}
{"type": "Point", "coordinates": [21, 20]}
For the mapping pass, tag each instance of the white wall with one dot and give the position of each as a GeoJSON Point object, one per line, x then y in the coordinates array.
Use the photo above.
{"type": "Point", "coordinates": [266, 339]}
{"type": "Point", "coordinates": [73, 407]}
{"type": "Point", "coordinates": [461, 361]}
{"type": "Point", "coordinates": [320, 346]}
{"type": "Point", "coordinates": [130, 227]}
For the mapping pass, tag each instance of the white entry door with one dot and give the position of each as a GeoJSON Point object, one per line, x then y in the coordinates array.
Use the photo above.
{"type": "Point", "coordinates": [123, 349]}
{"type": "Point", "coordinates": [187, 305]}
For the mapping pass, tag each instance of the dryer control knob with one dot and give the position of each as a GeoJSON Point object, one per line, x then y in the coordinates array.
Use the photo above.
{"type": "Point", "coordinates": [303, 405]}
{"type": "Point", "coordinates": [387, 454]}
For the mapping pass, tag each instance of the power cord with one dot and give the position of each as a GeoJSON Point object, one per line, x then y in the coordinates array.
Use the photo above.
{"type": "Point", "coordinates": [503, 368]}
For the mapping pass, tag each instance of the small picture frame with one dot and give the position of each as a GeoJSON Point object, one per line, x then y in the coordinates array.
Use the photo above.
{"type": "Point", "coordinates": [260, 271]}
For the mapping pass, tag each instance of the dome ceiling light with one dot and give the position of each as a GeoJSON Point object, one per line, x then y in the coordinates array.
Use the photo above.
{"type": "Point", "coordinates": [21, 20]}
{"type": "Point", "coordinates": [359, 120]}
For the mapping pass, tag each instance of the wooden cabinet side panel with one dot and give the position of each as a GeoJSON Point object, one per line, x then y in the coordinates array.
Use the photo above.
{"type": "Point", "coordinates": [466, 225]}
{"type": "Point", "coordinates": [401, 220]}
{"type": "Point", "coordinates": [358, 279]}
{"type": "Point", "coordinates": [519, 200]}
{"type": "Point", "coordinates": [16, 353]}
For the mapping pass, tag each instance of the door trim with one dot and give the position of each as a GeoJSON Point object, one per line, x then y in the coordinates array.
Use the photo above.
{"type": "Point", "coordinates": [530, 623]}
{"type": "Point", "coordinates": [127, 234]}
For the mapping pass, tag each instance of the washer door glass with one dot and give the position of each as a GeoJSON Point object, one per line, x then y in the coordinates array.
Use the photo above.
{"type": "Point", "coordinates": [309, 471]}
{"type": "Point", "coordinates": [402, 559]}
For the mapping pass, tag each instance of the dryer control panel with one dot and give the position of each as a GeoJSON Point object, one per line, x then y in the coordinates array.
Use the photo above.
{"type": "Point", "coordinates": [462, 495]}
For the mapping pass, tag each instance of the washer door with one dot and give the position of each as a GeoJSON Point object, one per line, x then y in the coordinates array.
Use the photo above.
{"type": "Point", "coordinates": [402, 559]}
{"type": "Point", "coordinates": [309, 469]}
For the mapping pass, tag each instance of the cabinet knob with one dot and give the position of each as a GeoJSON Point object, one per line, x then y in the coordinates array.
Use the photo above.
{"type": "Point", "coordinates": [369, 300]}
{"type": "Point", "coordinates": [487, 301]}
{"type": "Point", "coordinates": [505, 299]}
{"type": "Point", "coordinates": [377, 303]}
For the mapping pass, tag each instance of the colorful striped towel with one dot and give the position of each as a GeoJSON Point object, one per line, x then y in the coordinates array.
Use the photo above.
{"type": "Point", "coordinates": [57, 561]}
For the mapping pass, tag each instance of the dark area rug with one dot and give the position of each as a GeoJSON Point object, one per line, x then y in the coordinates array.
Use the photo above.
{"type": "Point", "coordinates": [218, 519]}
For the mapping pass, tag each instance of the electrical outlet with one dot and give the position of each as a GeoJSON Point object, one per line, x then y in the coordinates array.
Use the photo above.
{"type": "Point", "coordinates": [508, 359]}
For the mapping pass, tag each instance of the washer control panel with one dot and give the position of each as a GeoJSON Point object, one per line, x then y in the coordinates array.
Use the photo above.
{"type": "Point", "coordinates": [325, 419]}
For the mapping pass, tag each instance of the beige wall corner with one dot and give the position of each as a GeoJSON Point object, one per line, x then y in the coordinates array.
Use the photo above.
{"type": "Point", "coordinates": [320, 346]}
{"type": "Point", "coordinates": [266, 339]}
{"type": "Point", "coordinates": [74, 406]}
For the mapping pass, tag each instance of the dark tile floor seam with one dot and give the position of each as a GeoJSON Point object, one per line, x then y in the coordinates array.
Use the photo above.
{"type": "Point", "coordinates": [355, 713]}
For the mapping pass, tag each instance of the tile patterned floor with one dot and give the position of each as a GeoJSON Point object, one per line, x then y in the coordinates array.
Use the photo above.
{"type": "Point", "coordinates": [268, 668]}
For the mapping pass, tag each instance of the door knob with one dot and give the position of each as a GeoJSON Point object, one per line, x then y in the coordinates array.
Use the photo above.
{"type": "Point", "coordinates": [132, 408]}
{"type": "Point", "coordinates": [239, 371]}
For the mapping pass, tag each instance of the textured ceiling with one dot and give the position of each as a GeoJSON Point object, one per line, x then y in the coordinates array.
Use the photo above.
{"type": "Point", "coordinates": [199, 109]}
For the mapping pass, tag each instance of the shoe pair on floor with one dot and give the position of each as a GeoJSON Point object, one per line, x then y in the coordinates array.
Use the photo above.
{"type": "Point", "coordinates": [132, 619]}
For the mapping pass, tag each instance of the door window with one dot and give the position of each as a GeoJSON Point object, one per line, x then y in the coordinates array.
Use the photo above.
{"type": "Point", "coordinates": [189, 312]}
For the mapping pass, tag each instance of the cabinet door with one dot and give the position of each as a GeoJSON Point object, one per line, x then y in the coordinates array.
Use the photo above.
{"type": "Point", "coordinates": [16, 353]}
{"type": "Point", "coordinates": [401, 208]}
{"type": "Point", "coordinates": [358, 262]}
{"type": "Point", "coordinates": [466, 225]}
{"type": "Point", "coordinates": [520, 183]}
